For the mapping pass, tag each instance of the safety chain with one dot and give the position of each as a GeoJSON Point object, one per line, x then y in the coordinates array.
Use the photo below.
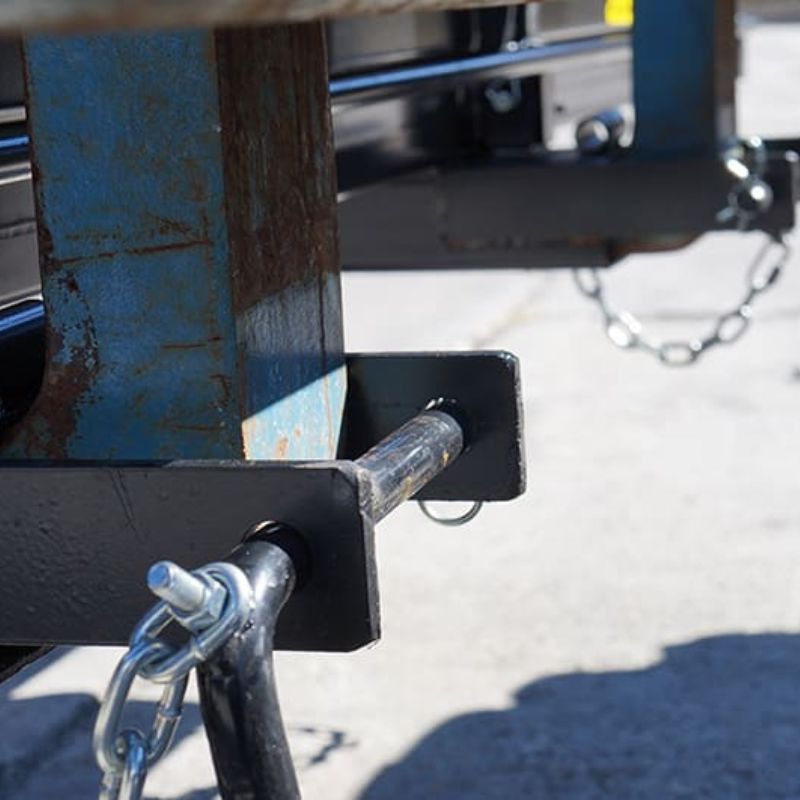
{"type": "Point", "coordinates": [213, 603]}
{"type": "Point", "coordinates": [627, 332]}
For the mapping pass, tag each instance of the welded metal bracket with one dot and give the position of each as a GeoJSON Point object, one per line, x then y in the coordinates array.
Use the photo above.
{"type": "Point", "coordinates": [78, 537]}
{"type": "Point", "coordinates": [384, 390]}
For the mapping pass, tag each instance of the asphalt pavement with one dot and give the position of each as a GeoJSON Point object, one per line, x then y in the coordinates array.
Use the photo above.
{"type": "Point", "coordinates": [627, 629]}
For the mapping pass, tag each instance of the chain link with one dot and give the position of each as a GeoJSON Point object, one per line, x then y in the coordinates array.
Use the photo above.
{"type": "Point", "coordinates": [626, 331]}
{"type": "Point", "coordinates": [125, 754]}
{"type": "Point", "coordinates": [135, 773]}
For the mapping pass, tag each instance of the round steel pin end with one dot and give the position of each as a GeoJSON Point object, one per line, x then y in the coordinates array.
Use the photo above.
{"type": "Point", "coordinates": [176, 586]}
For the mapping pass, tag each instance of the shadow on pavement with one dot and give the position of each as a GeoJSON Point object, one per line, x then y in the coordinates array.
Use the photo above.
{"type": "Point", "coordinates": [45, 742]}
{"type": "Point", "coordinates": [717, 718]}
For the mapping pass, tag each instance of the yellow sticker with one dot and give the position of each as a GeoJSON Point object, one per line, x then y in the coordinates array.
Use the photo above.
{"type": "Point", "coordinates": [619, 12]}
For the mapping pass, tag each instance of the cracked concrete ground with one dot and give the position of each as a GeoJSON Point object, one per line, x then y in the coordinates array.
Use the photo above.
{"type": "Point", "coordinates": [628, 629]}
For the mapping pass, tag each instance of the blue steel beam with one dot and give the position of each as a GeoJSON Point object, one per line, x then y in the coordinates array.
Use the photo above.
{"type": "Point", "coordinates": [186, 212]}
{"type": "Point", "coordinates": [684, 68]}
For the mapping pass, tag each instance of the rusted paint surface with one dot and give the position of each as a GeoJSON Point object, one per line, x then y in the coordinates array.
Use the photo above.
{"type": "Point", "coordinates": [177, 328]}
{"type": "Point", "coordinates": [92, 15]}
{"type": "Point", "coordinates": [185, 196]}
{"type": "Point", "coordinates": [69, 381]}
{"type": "Point", "coordinates": [281, 199]}
{"type": "Point", "coordinates": [281, 213]}
{"type": "Point", "coordinates": [130, 250]}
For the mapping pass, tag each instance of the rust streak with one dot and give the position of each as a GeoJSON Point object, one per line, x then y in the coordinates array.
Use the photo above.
{"type": "Point", "coordinates": [224, 384]}
{"type": "Point", "coordinates": [282, 448]}
{"type": "Point", "coordinates": [46, 430]}
{"type": "Point", "coordinates": [131, 251]}
{"type": "Point", "coordinates": [191, 345]}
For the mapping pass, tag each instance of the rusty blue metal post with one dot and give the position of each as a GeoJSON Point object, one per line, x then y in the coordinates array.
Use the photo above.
{"type": "Point", "coordinates": [186, 212]}
{"type": "Point", "coordinates": [186, 207]}
{"type": "Point", "coordinates": [684, 65]}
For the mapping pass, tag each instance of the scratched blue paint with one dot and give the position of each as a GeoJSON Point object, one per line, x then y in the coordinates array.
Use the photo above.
{"type": "Point", "coordinates": [147, 401]}
{"type": "Point", "coordinates": [673, 65]}
{"type": "Point", "coordinates": [132, 194]}
{"type": "Point", "coordinates": [127, 142]}
{"type": "Point", "coordinates": [148, 354]}
{"type": "Point", "coordinates": [296, 393]}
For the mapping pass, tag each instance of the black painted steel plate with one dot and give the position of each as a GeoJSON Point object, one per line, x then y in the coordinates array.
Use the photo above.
{"type": "Point", "coordinates": [78, 540]}
{"type": "Point", "coordinates": [386, 390]}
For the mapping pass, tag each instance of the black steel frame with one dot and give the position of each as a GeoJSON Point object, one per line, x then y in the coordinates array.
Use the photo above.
{"type": "Point", "coordinates": [98, 527]}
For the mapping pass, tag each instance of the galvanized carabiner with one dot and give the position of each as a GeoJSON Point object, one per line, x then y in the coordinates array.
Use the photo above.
{"type": "Point", "coordinates": [108, 743]}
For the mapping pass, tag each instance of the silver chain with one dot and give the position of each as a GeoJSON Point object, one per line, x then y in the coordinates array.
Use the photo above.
{"type": "Point", "coordinates": [749, 197]}
{"type": "Point", "coordinates": [626, 331]}
{"type": "Point", "coordinates": [125, 754]}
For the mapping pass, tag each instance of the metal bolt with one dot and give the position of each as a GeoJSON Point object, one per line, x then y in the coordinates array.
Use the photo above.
{"type": "Point", "coordinates": [177, 586]}
{"type": "Point", "coordinates": [196, 603]}
{"type": "Point", "coordinates": [601, 132]}
{"type": "Point", "coordinates": [503, 95]}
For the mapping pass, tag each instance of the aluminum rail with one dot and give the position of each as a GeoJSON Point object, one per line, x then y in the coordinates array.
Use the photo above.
{"type": "Point", "coordinates": [93, 15]}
